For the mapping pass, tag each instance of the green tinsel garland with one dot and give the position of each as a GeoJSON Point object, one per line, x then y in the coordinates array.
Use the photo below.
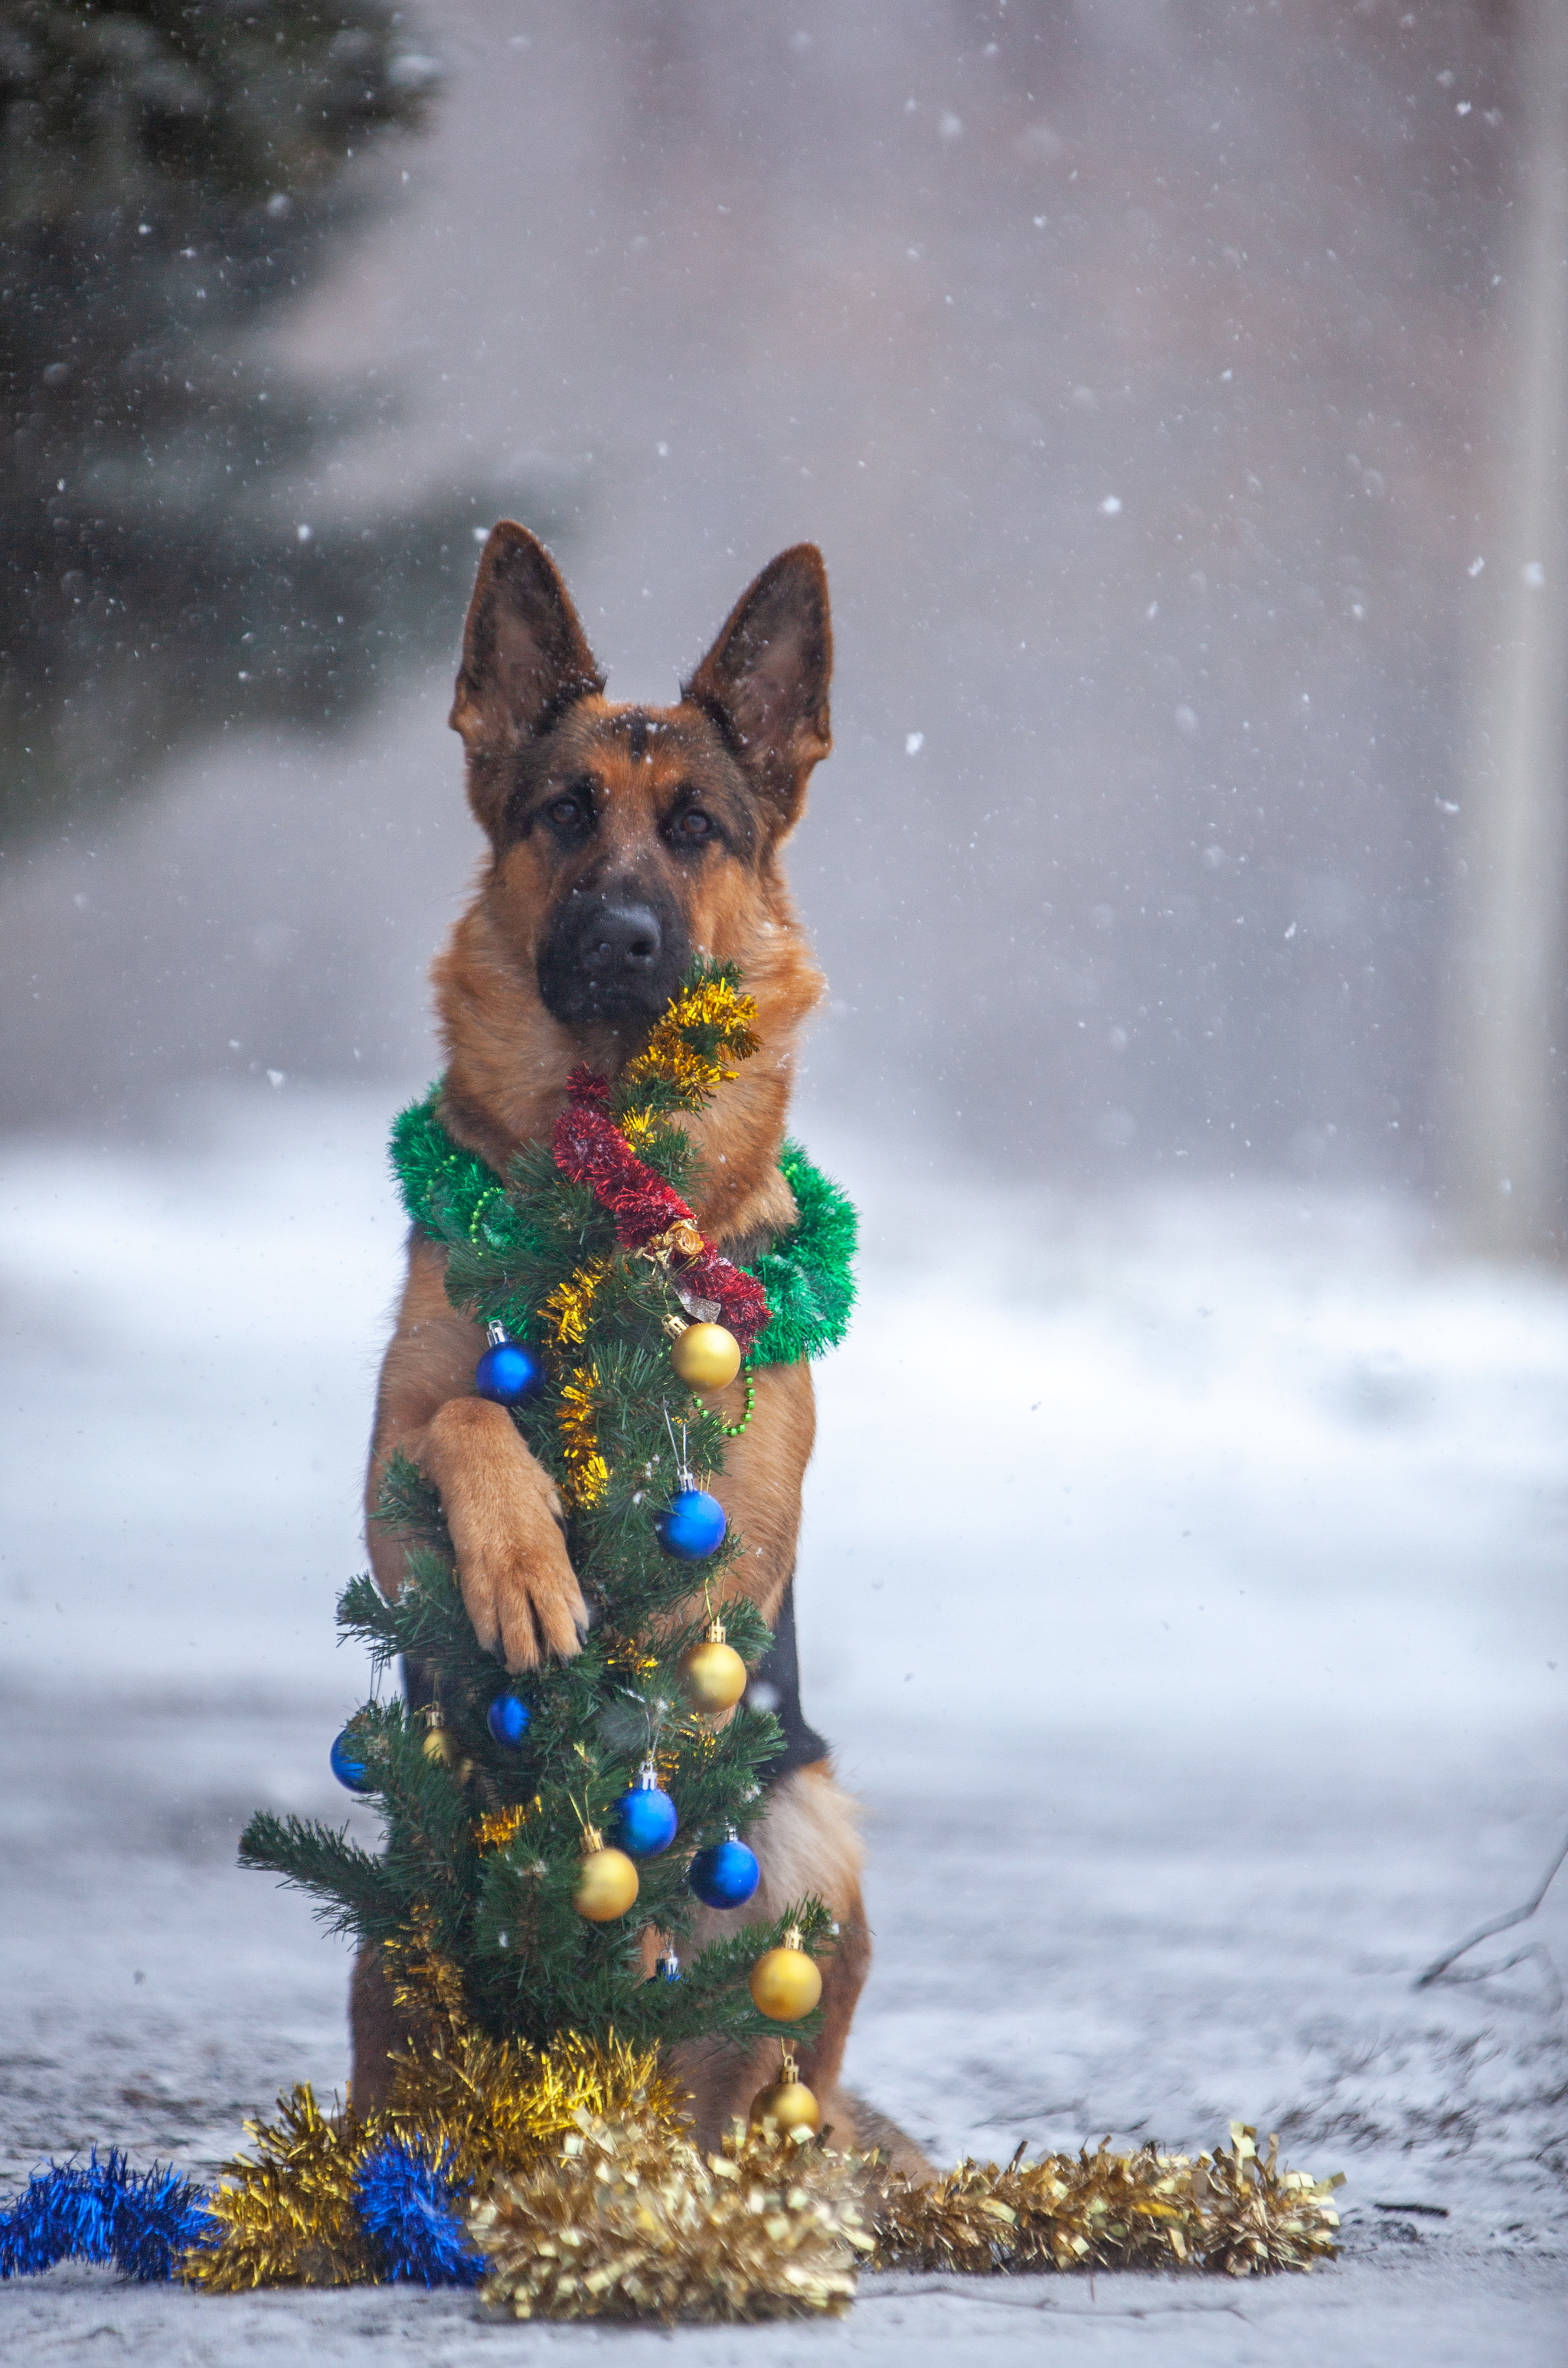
{"type": "Point", "coordinates": [808, 1274]}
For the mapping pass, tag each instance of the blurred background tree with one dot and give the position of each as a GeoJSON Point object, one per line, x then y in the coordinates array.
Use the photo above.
{"type": "Point", "coordinates": [170, 176]}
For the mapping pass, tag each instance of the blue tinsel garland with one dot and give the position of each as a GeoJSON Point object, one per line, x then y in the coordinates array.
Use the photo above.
{"type": "Point", "coordinates": [142, 2222]}
{"type": "Point", "coordinates": [410, 2208]}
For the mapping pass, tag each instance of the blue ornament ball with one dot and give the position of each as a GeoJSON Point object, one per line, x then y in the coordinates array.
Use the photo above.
{"type": "Point", "coordinates": [508, 1373]}
{"type": "Point", "coordinates": [725, 1874]}
{"type": "Point", "coordinates": [693, 1526]}
{"type": "Point", "coordinates": [508, 1719]}
{"type": "Point", "coordinates": [647, 1818]}
{"type": "Point", "coordinates": [348, 1761]}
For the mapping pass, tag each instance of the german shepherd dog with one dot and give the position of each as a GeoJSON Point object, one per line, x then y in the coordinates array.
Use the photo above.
{"type": "Point", "coordinates": [623, 841]}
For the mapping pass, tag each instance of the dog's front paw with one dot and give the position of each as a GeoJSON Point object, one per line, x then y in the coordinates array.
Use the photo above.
{"type": "Point", "coordinates": [519, 1586]}
{"type": "Point", "coordinates": [522, 1595]}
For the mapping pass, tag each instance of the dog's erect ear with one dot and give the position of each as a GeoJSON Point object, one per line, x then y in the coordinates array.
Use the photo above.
{"type": "Point", "coordinates": [765, 680]}
{"type": "Point", "coordinates": [523, 651]}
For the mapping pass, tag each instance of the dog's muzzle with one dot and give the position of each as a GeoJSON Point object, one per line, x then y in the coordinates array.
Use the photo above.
{"type": "Point", "coordinates": [610, 957]}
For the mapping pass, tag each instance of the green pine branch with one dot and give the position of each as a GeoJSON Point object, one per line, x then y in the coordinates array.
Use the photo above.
{"type": "Point", "coordinates": [357, 1892]}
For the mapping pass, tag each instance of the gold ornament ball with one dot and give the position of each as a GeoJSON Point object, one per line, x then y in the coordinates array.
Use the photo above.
{"type": "Point", "coordinates": [442, 1744]}
{"type": "Point", "coordinates": [785, 1984]}
{"type": "Point", "coordinates": [707, 1357]}
{"type": "Point", "coordinates": [789, 2104]}
{"type": "Point", "coordinates": [607, 1886]}
{"type": "Point", "coordinates": [714, 1674]}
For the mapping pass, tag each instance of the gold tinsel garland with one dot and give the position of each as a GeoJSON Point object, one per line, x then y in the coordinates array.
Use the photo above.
{"type": "Point", "coordinates": [566, 1311]}
{"type": "Point", "coordinates": [288, 2217]}
{"type": "Point", "coordinates": [591, 2200]}
{"type": "Point", "coordinates": [1234, 2210]}
{"type": "Point", "coordinates": [500, 1826]}
{"type": "Point", "coordinates": [630, 2222]}
{"type": "Point", "coordinates": [668, 1059]}
{"type": "Point", "coordinates": [288, 2214]}
{"type": "Point", "coordinates": [565, 1316]}
{"type": "Point", "coordinates": [587, 1476]}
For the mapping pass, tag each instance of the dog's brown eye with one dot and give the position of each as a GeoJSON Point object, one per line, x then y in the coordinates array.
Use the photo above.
{"type": "Point", "coordinates": [695, 824]}
{"type": "Point", "coordinates": [565, 812]}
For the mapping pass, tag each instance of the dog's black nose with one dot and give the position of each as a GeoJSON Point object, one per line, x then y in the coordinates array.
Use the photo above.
{"type": "Point", "coordinates": [621, 942]}
{"type": "Point", "coordinates": [613, 953]}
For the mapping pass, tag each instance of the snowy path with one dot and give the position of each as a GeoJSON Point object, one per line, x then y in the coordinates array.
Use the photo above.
{"type": "Point", "coordinates": [1185, 1608]}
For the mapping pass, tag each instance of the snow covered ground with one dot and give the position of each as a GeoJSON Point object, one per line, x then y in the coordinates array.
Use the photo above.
{"type": "Point", "coordinates": [1181, 1589]}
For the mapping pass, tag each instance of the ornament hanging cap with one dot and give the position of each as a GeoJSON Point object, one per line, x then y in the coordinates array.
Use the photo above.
{"type": "Point", "coordinates": [682, 1454]}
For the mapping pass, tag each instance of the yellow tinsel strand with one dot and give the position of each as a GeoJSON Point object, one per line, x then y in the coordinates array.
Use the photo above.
{"type": "Point", "coordinates": [497, 2103]}
{"type": "Point", "coordinates": [639, 1127]}
{"type": "Point", "coordinates": [425, 1982]}
{"type": "Point", "coordinates": [716, 1003]}
{"type": "Point", "coordinates": [288, 2217]}
{"type": "Point", "coordinates": [569, 1308]}
{"type": "Point", "coordinates": [626, 1656]}
{"type": "Point", "coordinates": [587, 1474]}
{"type": "Point", "coordinates": [567, 1313]}
{"type": "Point", "coordinates": [669, 1058]}
{"type": "Point", "coordinates": [495, 1831]}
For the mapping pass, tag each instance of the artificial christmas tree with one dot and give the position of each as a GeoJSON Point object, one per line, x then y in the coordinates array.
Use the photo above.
{"type": "Point", "coordinates": [517, 1897]}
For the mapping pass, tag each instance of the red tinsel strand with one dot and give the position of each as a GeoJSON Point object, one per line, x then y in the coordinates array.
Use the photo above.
{"type": "Point", "coordinates": [589, 1148]}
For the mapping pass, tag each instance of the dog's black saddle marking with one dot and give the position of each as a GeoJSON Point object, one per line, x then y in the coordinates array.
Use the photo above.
{"type": "Point", "coordinates": [776, 1687]}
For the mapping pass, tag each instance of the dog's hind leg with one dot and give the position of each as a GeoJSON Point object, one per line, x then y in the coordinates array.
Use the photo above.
{"type": "Point", "coordinates": [806, 1842]}
{"type": "Point", "coordinates": [375, 2029]}
{"type": "Point", "coordinates": [851, 2121]}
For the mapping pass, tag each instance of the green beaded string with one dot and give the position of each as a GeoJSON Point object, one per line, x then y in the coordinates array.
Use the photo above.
{"type": "Point", "coordinates": [480, 1206]}
{"type": "Point", "coordinates": [734, 1430]}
